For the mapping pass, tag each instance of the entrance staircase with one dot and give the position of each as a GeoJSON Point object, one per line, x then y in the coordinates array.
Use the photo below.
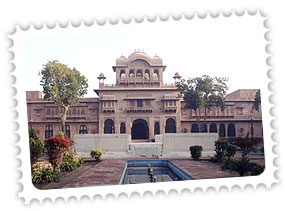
{"type": "Point", "coordinates": [140, 140]}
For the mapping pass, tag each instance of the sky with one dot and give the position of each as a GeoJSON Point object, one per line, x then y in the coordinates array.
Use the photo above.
{"type": "Point", "coordinates": [232, 47]}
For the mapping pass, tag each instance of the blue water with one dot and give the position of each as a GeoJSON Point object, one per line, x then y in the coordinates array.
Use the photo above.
{"type": "Point", "coordinates": [136, 172]}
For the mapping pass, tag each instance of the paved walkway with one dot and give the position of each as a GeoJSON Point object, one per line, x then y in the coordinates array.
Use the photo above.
{"type": "Point", "coordinates": [109, 171]}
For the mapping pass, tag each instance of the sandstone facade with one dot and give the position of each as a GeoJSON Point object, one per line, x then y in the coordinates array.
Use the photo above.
{"type": "Point", "coordinates": [141, 105]}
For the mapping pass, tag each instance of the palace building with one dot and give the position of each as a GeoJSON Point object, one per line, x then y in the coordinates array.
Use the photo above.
{"type": "Point", "coordinates": [141, 105]}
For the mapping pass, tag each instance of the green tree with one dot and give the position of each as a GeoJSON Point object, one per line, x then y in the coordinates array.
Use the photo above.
{"type": "Point", "coordinates": [202, 93]}
{"type": "Point", "coordinates": [62, 85]}
{"type": "Point", "coordinates": [36, 145]}
{"type": "Point", "coordinates": [257, 101]}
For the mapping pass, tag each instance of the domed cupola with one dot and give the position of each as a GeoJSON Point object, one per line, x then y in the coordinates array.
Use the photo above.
{"type": "Point", "coordinates": [121, 61]}
{"type": "Point", "coordinates": [156, 60]}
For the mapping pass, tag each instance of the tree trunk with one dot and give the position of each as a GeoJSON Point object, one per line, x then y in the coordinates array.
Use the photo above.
{"type": "Point", "coordinates": [198, 119]}
{"type": "Point", "coordinates": [205, 117]}
{"type": "Point", "coordinates": [63, 119]}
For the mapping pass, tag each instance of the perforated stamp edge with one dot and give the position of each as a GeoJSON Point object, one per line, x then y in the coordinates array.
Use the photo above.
{"type": "Point", "coordinates": [28, 192]}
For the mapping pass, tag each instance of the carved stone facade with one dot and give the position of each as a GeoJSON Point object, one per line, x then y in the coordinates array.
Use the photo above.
{"type": "Point", "coordinates": [140, 104]}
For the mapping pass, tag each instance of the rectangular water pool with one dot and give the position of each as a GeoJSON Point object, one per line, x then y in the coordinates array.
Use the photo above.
{"type": "Point", "coordinates": [137, 171]}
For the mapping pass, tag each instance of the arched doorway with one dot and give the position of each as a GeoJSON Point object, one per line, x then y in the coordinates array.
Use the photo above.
{"type": "Point", "coordinates": [222, 131]}
{"type": "Point", "coordinates": [213, 128]}
{"type": "Point", "coordinates": [195, 128]}
{"type": "Point", "coordinates": [170, 126]}
{"type": "Point", "coordinates": [231, 130]}
{"type": "Point", "coordinates": [109, 126]}
{"type": "Point", "coordinates": [140, 129]}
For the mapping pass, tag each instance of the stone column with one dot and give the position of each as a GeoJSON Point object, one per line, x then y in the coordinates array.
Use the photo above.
{"type": "Point", "coordinates": [101, 126]}
{"type": "Point", "coordinates": [162, 125]}
{"type": "Point", "coordinates": [151, 128]}
{"type": "Point", "coordinates": [117, 126]}
{"type": "Point", "coordinates": [218, 128]}
{"type": "Point", "coordinates": [178, 126]}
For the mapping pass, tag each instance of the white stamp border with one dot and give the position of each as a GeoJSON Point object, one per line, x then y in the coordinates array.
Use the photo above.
{"type": "Point", "coordinates": [29, 192]}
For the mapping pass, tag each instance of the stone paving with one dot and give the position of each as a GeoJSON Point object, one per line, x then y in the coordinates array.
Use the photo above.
{"type": "Point", "coordinates": [109, 171]}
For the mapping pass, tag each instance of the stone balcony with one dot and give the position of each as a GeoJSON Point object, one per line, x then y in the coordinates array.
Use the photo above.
{"type": "Point", "coordinates": [139, 109]}
{"type": "Point", "coordinates": [108, 109]}
{"type": "Point", "coordinates": [170, 108]}
{"type": "Point", "coordinates": [68, 117]}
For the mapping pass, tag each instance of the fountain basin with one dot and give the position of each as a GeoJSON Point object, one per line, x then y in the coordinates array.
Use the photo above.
{"type": "Point", "coordinates": [136, 171]}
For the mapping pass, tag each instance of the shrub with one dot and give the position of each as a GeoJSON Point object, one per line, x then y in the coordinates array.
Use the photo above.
{"type": "Point", "coordinates": [80, 160]}
{"type": "Point", "coordinates": [246, 145]}
{"type": "Point", "coordinates": [44, 175]}
{"type": "Point", "coordinates": [96, 154]}
{"type": "Point", "coordinates": [243, 167]}
{"type": "Point", "coordinates": [55, 147]}
{"type": "Point", "coordinates": [196, 152]}
{"type": "Point", "coordinates": [229, 164]}
{"type": "Point", "coordinates": [70, 162]}
{"type": "Point", "coordinates": [231, 150]}
{"type": "Point", "coordinates": [36, 149]}
{"type": "Point", "coordinates": [256, 169]}
{"type": "Point", "coordinates": [224, 150]}
{"type": "Point", "coordinates": [33, 134]}
{"type": "Point", "coordinates": [36, 146]}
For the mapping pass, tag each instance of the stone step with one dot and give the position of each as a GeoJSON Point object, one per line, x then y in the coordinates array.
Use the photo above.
{"type": "Point", "coordinates": [140, 140]}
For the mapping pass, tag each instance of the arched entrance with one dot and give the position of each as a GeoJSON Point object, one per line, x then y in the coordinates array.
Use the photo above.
{"type": "Point", "coordinates": [109, 126]}
{"type": "Point", "coordinates": [140, 129]}
{"type": "Point", "coordinates": [170, 126]}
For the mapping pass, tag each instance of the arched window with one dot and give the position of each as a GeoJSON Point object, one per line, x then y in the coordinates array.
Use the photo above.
{"type": "Point", "coordinates": [231, 130]}
{"type": "Point", "coordinates": [146, 74]}
{"type": "Point", "coordinates": [109, 126]}
{"type": "Point", "coordinates": [67, 131]}
{"type": "Point", "coordinates": [156, 128]}
{"type": "Point", "coordinates": [139, 73]}
{"type": "Point", "coordinates": [195, 128]}
{"type": "Point", "coordinates": [156, 74]}
{"type": "Point", "coordinates": [222, 131]}
{"type": "Point", "coordinates": [213, 128]}
{"type": "Point", "coordinates": [170, 126]}
{"type": "Point", "coordinates": [204, 128]}
{"type": "Point", "coordinates": [48, 131]}
{"type": "Point", "coordinates": [83, 129]}
{"type": "Point", "coordinates": [132, 73]}
{"type": "Point", "coordinates": [122, 128]}
{"type": "Point", "coordinates": [122, 74]}
{"type": "Point", "coordinates": [48, 111]}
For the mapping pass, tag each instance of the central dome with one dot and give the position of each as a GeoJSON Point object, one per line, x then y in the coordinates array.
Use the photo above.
{"type": "Point", "coordinates": [139, 55]}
